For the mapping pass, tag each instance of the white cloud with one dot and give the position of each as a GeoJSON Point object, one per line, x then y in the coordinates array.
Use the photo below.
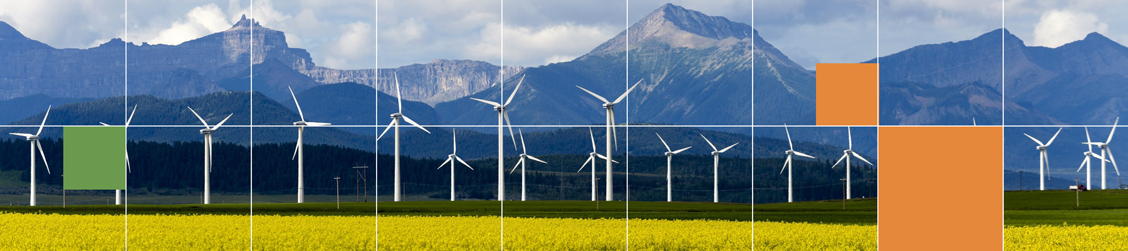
{"type": "Point", "coordinates": [66, 24]}
{"type": "Point", "coordinates": [529, 46]}
{"type": "Point", "coordinates": [1058, 27]}
{"type": "Point", "coordinates": [200, 21]}
{"type": "Point", "coordinates": [355, 44]}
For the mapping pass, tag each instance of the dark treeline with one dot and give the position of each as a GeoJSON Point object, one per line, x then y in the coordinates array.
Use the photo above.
{"type": "Point", "coordinates": [177, 169]}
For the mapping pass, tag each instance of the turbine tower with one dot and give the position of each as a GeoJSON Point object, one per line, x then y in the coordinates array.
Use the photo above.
{"type": "Point", "coordinates": [591, 159]}
{"type": "Point", "coordinates": [299, 148]}
{"type": "Point", "coordinates": [611, 135]}
{"type": "Point", "coordinates": [207, 132]}
{"type": "Point", "coordinates": [395, 123]}
{"type": "Point", "coordinates": [787, 164]}
{"type": "Point", "coordinates": [34, 140]}
{"type": "Point", "coordinates": [1105, 151]}
{"type": "Point", "coordinates": [117, 193]}
{"type": "Point", "coordinates": [846, 155]}
{"type": "Point", "coordinates": [502, 114]}
{"type": "Point", "coordinates": [1086, 164]}
{"type": "Point", "coordinates": [1043, 159]}
{"type": "Point", "coordinates": [451, 158]}
{"type": "Point", "coordinates": [521, 163]}
{"type": "Point", "coordinates": [669, 158]}
{"type": "Point", "coordinates": [716, 162]}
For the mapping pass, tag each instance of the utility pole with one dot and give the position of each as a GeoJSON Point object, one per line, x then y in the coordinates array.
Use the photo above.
{"type": "Point", "coordinates": [338, 180]}
{"type": "Point", "coordinates": [843, 193]}
{"type": "Point", "coordinates": [361, 176]}
{"type": "Point", "coordinates": [1077, 184]}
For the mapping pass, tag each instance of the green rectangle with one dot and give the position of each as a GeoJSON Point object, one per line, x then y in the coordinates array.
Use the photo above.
{"type": "Point", "coordinates": [94, 158]}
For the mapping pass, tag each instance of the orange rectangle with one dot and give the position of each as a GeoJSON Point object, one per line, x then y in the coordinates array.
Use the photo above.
{"type": "Point", "coordinates": [940, 188]}
{"type": "Point", "coordinates": [846, 94]}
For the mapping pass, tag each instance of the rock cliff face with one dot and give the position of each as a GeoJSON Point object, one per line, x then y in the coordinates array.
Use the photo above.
{"type": "Point", "coordinates": [210, 64]}
{"type": "Point", "coordinates": [431, 83]}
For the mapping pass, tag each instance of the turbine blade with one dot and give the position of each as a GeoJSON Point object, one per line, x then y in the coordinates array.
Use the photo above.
{"type": "Point", "coordinates": [593, 94]}
{"type": "Point", "coordinates": [789, 145]}
{"type": "Point", "coordinates": [26, 135]}
{"type": "Point", "coordinates": [589, 159]}
{"type": "Point", "coordinates": [512, 137]}
{"type": "Point", "coordinates": [43, 155]}
{"type": "Point", "coordinates": [486, 101]}
{"type": "Point", "coordinates": [522, 160]}
{"type": "Point", "coordinates": [130, 119]}
{"type": "Point", "coordinates": [515, 90]}
{"type": "Point", "coordinates": [729, 147]}
{"type": "Point", "coordinates": [850, 138]}
{"type": "Point", "coordinates": [844, 155]}
{"type": "Point", "coordinates": [804, 155]}
{"type": "Point", "coordinates": [300, 114]}
{"type": "Point", "coordinates": [707, 141]}
{"type": "Point", "coordinates": [386, 129]}
{"type": "Point", "coordinates": [536, 159]}
{"type": "Point", "coordinates": [614, 130]}
{"type": "Point", "coordinates": [201, 118]}
{"type": "Point", "coordinates": [1109, 140]}
{"type": "Point", "coordinates": [416, 124]}
{"type": "Point", "coordinates": [296, 146]}
{"type": "Point", "coordinates": [592, 140]}
{"type": "Point", "coordinates": [41, 124]}
{"type": "Point", "coordinates": [788, 161]}
{"type": "Point", "coordinates": [463, 162]}
{"type": "Point", "coordinates": [682, 150]}
{"type": "Point", "coordinates": [1087, 139]}
{"type": "Point", "coordinates": [663, 142]}
{"type": "Point", "coordinates": [1083, 163]}
{"type": "Point", "coordinates": [1046, 159]}
{"type": "Point", "coordinates": [1054, 137]}
{"type": "Point", "coordinates": [621, 97]}
{"type": "Point", "coordinates": [223, 121]}
{"type": "Point", "coordinates": [522, 141]}
{"type": "Point", "coordinates": [103, 124]}
{"type": "Point", "coordinates": [1113, 160]}
{"type": "Point", "coordinates": [859, 156]}
{"type": "Point", "coordinates": [1035, 140]}
{"type": "Point", "coordinates": [454, 146]}
{"type": "Point", "coordinates": [399, 98]}
{"type": "Point", "coordinates": [317, 124]}
{"type": "Point", "coordinates": [127, 166]}
{"type": "Point", "coordinates": [605, 158]}
{"type": "Point", "coordinates": [444, 163]}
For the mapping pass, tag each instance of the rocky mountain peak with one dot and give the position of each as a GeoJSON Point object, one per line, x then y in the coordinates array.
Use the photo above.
{"type": "Point", "coordinates": [246, 23]}
{"type": "Point", "coordinates": [676, 26]}
{"type": "Point", "coordinates": [9, 32]}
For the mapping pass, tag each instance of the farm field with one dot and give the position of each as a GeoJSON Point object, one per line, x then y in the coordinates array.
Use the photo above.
{"type": "Point", "coordinates": [1052, 220]}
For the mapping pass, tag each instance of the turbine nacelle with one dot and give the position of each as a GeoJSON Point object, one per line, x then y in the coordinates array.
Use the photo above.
{"type": "Point", "coordinates": [206, 131]}
{"type": "Point", "coordinates": [669, 153]}
{"type": "Point", "coordinates": [1040, 148]}
{"type": "Point", "coordinates": [397, 115]}
{"type": "Point", "coordinates": [499, 108]}
{"type": "Point", "coordinates": [608, 105]}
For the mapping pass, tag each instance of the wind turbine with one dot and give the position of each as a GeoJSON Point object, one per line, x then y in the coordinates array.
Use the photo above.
{"type": "Point", "coordinates": [1043, 158]}
{"type": "Point", "coordinates": [502, 114]}
{"type": "Point", "coordinates": [669, 158]}
{"type": "Point", "coordinates": [117, 193]}
{"type": "Point", "coordinates": [34, 139]}
{"type": "Point", "coordinates": [207, 132]}
{"type": "Point", "coordinates": [395, 123]}
{"type": "Point", "coordinates": [451, 158]}
{"type": "Point", "coordinates": [299, 149]}
{"type": "Point", "coordinates": [846, 155]}
{"type": "Point", "coordinates": [521, 163]}
{"type": "Point", "coordinates": [591, 159]}
{"type": "Point", "coordinates": [716, 162]}
{"type": "Point", "coordinates": [611, 134]}
{"type": "Point", "coordinates": [1087, 164]}
{"type": "Point", "coordinates": [1105, 151]}
{"type": "Point", "coordinates": [787, 164]}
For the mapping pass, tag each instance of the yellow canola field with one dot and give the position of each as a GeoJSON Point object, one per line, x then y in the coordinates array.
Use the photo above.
{"type": "Point", "coordinates": [810, 236]}
{"type": "Point", "coordinates": [1066, 238]}
{"type": "Point", "coordinates": [233, 232]}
